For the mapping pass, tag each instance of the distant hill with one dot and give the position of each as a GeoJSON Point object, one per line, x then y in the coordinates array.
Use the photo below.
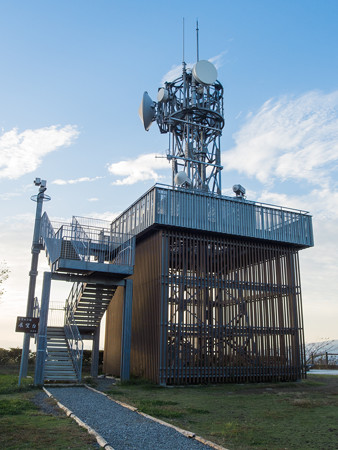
{"type": "Point", "coordinates": [333, 346]}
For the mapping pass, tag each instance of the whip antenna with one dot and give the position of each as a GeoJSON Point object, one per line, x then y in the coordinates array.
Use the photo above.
{"type": "Point", "coordinates": [197, 43]}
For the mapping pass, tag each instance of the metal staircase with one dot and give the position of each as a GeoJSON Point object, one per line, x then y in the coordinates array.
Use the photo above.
{"type": "Point", "coordinates": [100, 260]}
{"type": "Point", "coordinates": [59, 363]}
{"type": "Point", "coordinates": [89, 302]}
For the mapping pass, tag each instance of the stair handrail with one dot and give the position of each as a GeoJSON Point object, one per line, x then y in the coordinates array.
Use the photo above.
{"type": "Point", "coordinates": [36, 308]}
{"type": "Point", "coordinates": [50, 238]}
{"type": "Point", "coordinates": [74, 340]}
{"type": "Point", "coordinates": [80, 240]}
{"type": "Point", "coordinates": [74, 295]}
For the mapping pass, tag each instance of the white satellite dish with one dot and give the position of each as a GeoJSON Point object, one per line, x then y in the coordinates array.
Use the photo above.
{"type": "Point", "coordinates": [204, 72]}
{"type": "Point", "coordinates": [182, 179]}
{"type": "Point", "coordinates": [147, 111]}
{"type": "Point", "coordinates": [162, 95]}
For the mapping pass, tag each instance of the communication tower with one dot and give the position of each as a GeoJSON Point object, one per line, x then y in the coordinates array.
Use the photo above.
{"type": "Point", "coordinates": [216, 284]}
{"type": "Point", "coordinates": [190, 109]}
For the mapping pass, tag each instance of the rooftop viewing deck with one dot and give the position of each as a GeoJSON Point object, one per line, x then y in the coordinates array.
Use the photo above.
{"type": "Point", "coordinates": [196, 210]}
{"type": "Point", "coordinates": [87, 245]}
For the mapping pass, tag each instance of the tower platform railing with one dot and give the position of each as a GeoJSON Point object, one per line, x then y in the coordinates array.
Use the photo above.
{"type": "Point", "coordinates": [84, 243]}
{"type": "Point", "coordinates": [198, 210]}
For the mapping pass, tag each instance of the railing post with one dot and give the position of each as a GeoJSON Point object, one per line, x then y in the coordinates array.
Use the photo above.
{"type": "Point", "coordinates": [94, 368]}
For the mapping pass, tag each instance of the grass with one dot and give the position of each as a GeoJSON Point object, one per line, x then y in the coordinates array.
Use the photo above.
{"type": "Point", "coordinates": [300, 415]}
{"type": "Point", "coordinates": [23, 425]}
{"type": "Point", "coordinates": [250, 416]}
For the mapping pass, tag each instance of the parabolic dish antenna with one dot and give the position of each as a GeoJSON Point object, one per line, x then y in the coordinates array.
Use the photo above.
{"type": "Point", "coordinates": [162, 95]}
{"type": "Point", "coordinates": [147, 111]}
{"type": "Point", "coordinates": [204, 72]}
{"type": "Point", "coordinates": [182, 179]}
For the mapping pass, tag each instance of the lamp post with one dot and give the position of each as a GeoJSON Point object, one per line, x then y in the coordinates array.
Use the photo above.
{"type": "Point", "coordinates": [36, 248]}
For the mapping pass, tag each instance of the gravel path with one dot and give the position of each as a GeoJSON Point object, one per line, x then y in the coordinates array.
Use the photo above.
{"type": "Point", "coordinates": [120, 427]}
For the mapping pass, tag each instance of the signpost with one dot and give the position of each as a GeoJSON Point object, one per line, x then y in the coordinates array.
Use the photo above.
{"type": "Point", "coordinates": [27, 324]}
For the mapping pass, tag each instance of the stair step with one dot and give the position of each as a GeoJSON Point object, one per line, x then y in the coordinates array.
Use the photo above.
{"type": "Point", "coordinates": [58, 368]}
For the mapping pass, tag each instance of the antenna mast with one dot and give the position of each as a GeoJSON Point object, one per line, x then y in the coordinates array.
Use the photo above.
{"type": "Point", "coordinates": [190, 109]}
{"type": "Point", "coordinates": [197, 43]}
{"type": "Point", "coordinates": [183, 61]}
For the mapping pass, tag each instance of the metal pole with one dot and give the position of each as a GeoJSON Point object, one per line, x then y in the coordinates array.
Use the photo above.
{"type": "Point", "coordinates": [94, 369]}
{"type": "Point", "coordinates": [36, 247]}
{"type": "Point", "coordinates": [42, 335]}
{"type": "Point", "coordinates": [197, 42]}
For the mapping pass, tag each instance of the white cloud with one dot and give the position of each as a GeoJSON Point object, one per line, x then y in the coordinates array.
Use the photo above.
{"type": "Point", "coordinates": [93, 199]}
{"type": "Point", "coordinates": [22, 153]}
{"type": "Point", "coordinates": [289, 138]}
{"type": "Point", "coordinates": [296, 139]}
{"type": "Point", "coordinates": [144, 167]}
{"type": "Point", "coordinates": [176, 71]}
{"type": "Point", "coordinates": [77, 180]}
{"type": "Point", "coordinates": [9, 195]}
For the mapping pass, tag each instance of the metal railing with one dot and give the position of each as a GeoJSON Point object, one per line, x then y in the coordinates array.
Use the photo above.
{"type": "Point", "coordinates": [192, 209]}
{"type": "Point", "coordinates": [74, 340]}
{"type": "Point", "coordinates": [83, 241]}
{"type": "Point", "coordinates": [73, 336]}
{"type": "Point", "coordinates": [36, 308]}
{"type": "Point", "coordinates": [56, 314]}
{"type": "Point", "coordinates": [75, 295]}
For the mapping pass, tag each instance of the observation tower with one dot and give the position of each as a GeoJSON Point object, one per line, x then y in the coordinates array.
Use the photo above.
{"type": "Point", "coordinates": [216, 282]}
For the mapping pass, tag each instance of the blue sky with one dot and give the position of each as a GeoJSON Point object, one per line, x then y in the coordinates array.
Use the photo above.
{"type": "Point", "coordinates": [72, 77]}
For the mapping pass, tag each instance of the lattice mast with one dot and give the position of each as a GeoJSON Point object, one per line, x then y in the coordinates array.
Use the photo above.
{"type": "Point", "coordinates": [190, 109]}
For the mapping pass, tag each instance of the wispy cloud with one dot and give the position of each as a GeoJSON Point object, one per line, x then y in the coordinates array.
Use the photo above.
{"type": "Point", "coordinates": [75, 181]}
{"type": "Point", "coordinates": [9, 195]}
{"type": "Point", "coordinates": [22, 153]}
{"type": "Point", "coordinates": [176, 71]}
{"type": "Point", "coordinates": [93, 199]}
{"type": "Point", "coordinates": [289, 138]}
{"type": "Point", "coordinates": [142, 168]}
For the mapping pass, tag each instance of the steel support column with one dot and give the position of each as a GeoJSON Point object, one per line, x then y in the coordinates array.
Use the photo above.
{"type": "Point", "coordinates": [94, 368]}
{"type": "Point", "coordinates": [42, 334]}
{"type": "Point", "coordinates": [33, 273]}
{"type": "Point", "coordinates": [126, 330]}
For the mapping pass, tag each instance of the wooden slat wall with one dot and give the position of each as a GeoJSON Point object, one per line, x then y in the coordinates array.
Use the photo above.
{"type": "Point", "coordinates": [112, 345]}
{"type": "Point", "coordinates": [145, 340]}
{"type": "Point", "coordinates": [233, 311]}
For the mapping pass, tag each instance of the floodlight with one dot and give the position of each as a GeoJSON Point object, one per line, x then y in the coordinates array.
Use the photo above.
{"type": "Point", "coordinates": [239, 190]}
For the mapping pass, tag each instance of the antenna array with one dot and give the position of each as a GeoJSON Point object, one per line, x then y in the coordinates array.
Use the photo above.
{"type": "Point", "coordinates": [190, 109]}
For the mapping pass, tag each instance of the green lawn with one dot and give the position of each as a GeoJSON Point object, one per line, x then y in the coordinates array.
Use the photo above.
{"type": "Point", "coordinates": [266, 416]}
{"type": "Point", "coordinates": [250, 416]}
{"type": "Point", "coordinates": [24, 425]}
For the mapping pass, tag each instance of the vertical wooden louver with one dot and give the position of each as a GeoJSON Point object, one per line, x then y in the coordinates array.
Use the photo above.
{"type": "Point", "coordinates": [233, 310]}
{"type": "Point", "coordinates": [208, 308]}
